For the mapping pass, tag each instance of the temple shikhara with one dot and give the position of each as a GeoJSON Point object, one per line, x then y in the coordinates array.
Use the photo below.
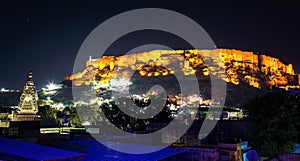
{"type": "Point", "coordinates": [28, 106]}
{"type": "Point", "coordinates": [25, 120]}
{"type": "Point", "coordinates": [256, 70]}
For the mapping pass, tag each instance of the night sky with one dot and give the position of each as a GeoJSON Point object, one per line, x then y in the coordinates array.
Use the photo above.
{"type": "Point", "coordinates": [45, 36]}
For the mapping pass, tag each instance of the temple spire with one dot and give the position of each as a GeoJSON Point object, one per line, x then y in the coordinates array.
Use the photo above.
{"type": "Point", "coordinates": [29, 76]}
{"type": "Point", "coordinates": [28, 99]}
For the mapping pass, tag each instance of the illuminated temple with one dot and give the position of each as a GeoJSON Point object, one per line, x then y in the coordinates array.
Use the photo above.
{"type": "Point", "coordinates": [28, 106]}
{"type": "Point", "coordinates": [24, 121]}
{"type": "Point", "coordinates": [257, 70]}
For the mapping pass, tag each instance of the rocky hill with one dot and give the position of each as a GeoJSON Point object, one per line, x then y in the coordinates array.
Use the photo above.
{"type": "Point", "coordinates": [239, 67]}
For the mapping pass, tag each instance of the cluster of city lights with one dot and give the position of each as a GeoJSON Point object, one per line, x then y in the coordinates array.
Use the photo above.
{"type": "Point", "coordinates": [4, 90]}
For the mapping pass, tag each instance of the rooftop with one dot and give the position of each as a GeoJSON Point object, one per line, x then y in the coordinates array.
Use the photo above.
{"type": "Point", "coordinates": [94, 151]}
{"type": "Point", "coordinates": [19, 150]}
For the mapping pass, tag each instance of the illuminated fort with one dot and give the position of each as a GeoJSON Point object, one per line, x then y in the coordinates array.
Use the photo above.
{"type": "Point", "coordinates": [257, 70]}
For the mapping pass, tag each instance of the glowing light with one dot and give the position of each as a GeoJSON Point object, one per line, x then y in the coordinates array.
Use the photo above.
{"type": "Point", "coordinates": [51, 86]}
{"type": "Point", "coordinates": [205, 72]}
{"type": "Point", "coordinates": [58, 105]}
{"type": "Point", "coordinates": [142, 73]}
{"type": "Point", "coordinates": [4, 90]}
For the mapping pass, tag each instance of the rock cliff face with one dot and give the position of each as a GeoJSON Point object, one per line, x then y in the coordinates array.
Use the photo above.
{"type": "Point", "coordinates": [256, 70]}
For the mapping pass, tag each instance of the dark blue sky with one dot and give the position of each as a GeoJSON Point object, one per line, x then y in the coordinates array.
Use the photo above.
{"type": "Point", "coordinates": [46, 36]}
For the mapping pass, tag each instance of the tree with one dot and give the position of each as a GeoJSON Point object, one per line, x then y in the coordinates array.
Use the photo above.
{"type": "Point", "coordinates": [276, 119]}
{"type": "Point", "coordinates": [48, 112]}
{"type": "Point", "coordinates": [74, 119]}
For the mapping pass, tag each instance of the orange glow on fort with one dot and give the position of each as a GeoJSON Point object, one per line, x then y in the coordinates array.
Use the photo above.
{"type": "Point", "coordinates": [239, 66]}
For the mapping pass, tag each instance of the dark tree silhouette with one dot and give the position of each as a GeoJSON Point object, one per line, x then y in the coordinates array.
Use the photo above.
{"type": "Point", "coordinates": [277, 124]}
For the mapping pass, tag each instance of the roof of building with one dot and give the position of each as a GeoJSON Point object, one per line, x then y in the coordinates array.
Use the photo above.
{"type": "Point", "coordinates": [15, 150]}
{"type": "Point", "coordinates": [96, 151]}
